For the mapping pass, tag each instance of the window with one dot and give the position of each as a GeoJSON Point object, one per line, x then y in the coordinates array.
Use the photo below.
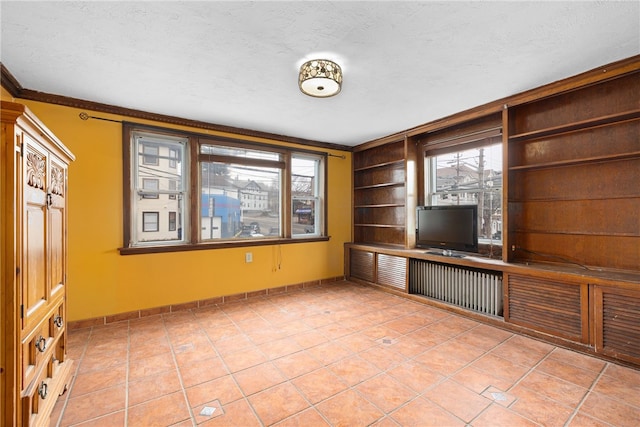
{"type": "Point", "coordinates": [150, 221]}
{"type": "Point", "coordinates": [173, 186]}
{"type": "Point", "coordinates": [173, 158]}
{"type": "Point", "coordinates": [156, 187]}
{"type": "Point", "coordinates": [150, 187]}
{"type": "Point", "coordinates": [172, 221]}
{"type": "Point", "coordinates": [306, 174]}
{"type": "Point", "coordinates": [469, 177]}
{"type": "Point", "coordinates": [150, 154]}
{"type": "Point", "coordinates": [242, 192]}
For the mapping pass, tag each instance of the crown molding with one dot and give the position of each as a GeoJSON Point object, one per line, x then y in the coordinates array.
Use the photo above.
{"type": "Point", "coordinates": [11, 84]}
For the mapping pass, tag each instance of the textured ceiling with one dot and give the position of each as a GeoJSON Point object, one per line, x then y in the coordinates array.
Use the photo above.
{"type": "Point", "coordinates": [236, 63]}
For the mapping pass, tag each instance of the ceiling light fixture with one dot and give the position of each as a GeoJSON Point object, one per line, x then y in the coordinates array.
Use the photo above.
{"type": "Point", "coordinates": [320, 78]}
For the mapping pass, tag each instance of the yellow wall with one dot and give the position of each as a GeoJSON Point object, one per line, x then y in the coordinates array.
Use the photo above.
{"type": "Point", "coordinates": [103, 282]}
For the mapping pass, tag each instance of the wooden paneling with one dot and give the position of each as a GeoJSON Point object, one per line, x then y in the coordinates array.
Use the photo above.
{"type": "Point", "coordinates": [598, 100]}
{"type": "Point", "coordinates": [378, 155]}
{"type": "Point", "coordinates": [573, 174]}
{"type": "Point", "coordinates": [379, 235]}
{"type": "Point", "coordinates": [613, 139]}
{"type": "Point", "coordinates": [616, 326]}
{"type": "Point", "coordinates": [390, 215]}
{"type": "Point", "coordinates": [377, 196]}
{"type": "Point", "coordinates": [394, 173]}
{"type": "Point", "coordinates": [362, 266]}
{"type": "Point", "coordinates": [598, 180]}
{"type": "Point", "coordinates": [548, 305]}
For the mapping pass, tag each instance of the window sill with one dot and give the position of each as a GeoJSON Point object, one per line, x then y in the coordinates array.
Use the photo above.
{"type": "Point", "coordinates": [222, 245]}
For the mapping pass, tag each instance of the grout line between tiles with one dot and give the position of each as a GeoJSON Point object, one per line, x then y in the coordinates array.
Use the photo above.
{"type": "Point", "coordinates": [177, 368]}
{"type": "Point", "coordinates": [586, 395]}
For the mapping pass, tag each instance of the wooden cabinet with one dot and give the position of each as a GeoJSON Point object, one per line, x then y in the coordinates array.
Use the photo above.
{"type": "Point", "coordinates": [376, 266]}
{"type": "Point", "coordinates": [616, 330]}
{"type": "Point", "coordinates": [557, 307]}
{"type": "Point", "coordinates": [33, 178]}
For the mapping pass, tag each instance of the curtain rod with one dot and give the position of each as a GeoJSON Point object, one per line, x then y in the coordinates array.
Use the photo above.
{"type": "Point", "coordinates": [85, 116]}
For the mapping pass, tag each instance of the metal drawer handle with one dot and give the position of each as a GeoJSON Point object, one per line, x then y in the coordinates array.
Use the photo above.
{"type": "Point", "coordinates": [58, 321]}
{"type": "Point", "coordinates": [41, 344]}
{"type": "Point", "coordinates": [42, 390]}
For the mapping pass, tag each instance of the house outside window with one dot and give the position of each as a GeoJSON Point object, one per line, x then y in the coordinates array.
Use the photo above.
{"type": "Point", "coordinates": [155, 186]}
{"type": "Point", "coordinates": [306, 195]}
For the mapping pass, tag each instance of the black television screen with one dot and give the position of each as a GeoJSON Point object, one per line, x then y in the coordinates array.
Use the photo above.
{"type": "Point", "coordinates": [447, 227]}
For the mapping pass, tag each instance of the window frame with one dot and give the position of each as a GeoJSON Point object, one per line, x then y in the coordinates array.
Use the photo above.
{"type": "Point", "coordinates": [192, 240]}
{"type": "Point", "coordinates": [457, 144]}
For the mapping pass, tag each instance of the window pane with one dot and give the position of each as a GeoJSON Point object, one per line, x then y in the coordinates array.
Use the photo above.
{"type": "Point", "coordinates": [239, 152]}
{"type": "Point", "coordinates": [305, 191]}
{"type": "Point", "coordinates": [150, 221]}
{"type": "Point", "coordinates": [150, 187]}
{"type": "Point", "coordinates": [172, 221]}
{"type": "Point", "coordinates": [150, 153]}
{"type": "Point", "coordinates": [470, 177]}
{"type": "Point", "coordinates": [159, 186]}
{"type": "Point", "coordinates": [239, 202]}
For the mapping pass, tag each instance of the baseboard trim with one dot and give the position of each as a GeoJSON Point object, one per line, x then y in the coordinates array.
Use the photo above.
{"type": "Point", "coordinates": [221, 300]}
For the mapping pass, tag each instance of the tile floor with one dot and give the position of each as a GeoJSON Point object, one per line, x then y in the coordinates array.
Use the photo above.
{"type": "Point", "coordinates": [335, 355]}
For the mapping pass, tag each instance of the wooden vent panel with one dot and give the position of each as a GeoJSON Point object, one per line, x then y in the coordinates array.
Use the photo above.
{"type": "Point", "coordinates": [620, 334]}
{"type": "Point", "coordinates": [362, 265]}
{"type": "Point", "coordinates": [392, 271]}
{"type": "Point", "coordinates": [547, 305]}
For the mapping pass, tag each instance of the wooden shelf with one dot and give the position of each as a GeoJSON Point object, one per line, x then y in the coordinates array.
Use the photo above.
{"type": "Point", "coordinates": [382, 205]}
{"type": "Point", "coordinates": [573, 233]}
{"type": "Point", "coordinates": [573, 162]}
{"type": "Point", "coordinates": [382, 185]}
{"type": "Point", "coordinates": [576, 126]}
{"type": "Point", "coordinates": [380, 225]}
{"type": "Point", "coordinates": [380, 165]}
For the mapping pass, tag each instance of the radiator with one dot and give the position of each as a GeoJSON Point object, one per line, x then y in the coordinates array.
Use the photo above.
{"type": "Point", "coordinates": [473, 289]}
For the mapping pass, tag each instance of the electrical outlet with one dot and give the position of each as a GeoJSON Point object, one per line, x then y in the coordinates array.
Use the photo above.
{"type": "Point", "coordinates": [248, 257]}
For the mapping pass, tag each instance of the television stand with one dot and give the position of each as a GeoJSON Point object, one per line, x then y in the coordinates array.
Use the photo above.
{"type": "Point", "coordinates": [445, 252]}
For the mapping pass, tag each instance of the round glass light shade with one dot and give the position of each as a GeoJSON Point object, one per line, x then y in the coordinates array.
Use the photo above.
{"type": "Point", "coordinates": [320, 78]}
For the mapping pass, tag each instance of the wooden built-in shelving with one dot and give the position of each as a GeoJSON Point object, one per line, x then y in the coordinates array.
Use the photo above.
{"type": "Point", "coordinates": [576, 126]}
{"type": "Point", "coordinates": [571, 180]}
{"type": "Point", "coordinates": [379, 194]}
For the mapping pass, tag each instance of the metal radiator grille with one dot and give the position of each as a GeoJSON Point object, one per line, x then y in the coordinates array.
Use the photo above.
{"type": "Point", "coordinates": [476, 290]}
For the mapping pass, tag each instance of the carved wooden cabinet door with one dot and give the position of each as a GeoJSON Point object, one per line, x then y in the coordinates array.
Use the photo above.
{"type": "Point", "coordinates": [35, 292]}
{"type": "Point", "coordinates": [57, 226]}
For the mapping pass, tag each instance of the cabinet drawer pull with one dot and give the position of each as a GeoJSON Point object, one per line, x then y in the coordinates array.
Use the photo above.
{"type": "Point", "coordinates": [41, 344]}
{"type": "Point", "coordinates": [58, 321]}
{"type": "Point", "coordinates": [42, 390]}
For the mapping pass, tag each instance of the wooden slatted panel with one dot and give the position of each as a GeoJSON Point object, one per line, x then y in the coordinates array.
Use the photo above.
{"type": "Point", "coordinates": [361, 265]}
{"type": "Point", "coordinates": [620, 326]}
{"type": "Point", "coordinates": [546, 305]}
{"type": "Point", "coordinates": [392, 271]}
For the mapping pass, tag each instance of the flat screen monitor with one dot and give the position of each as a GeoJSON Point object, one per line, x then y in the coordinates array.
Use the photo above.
{"type": "Point", "coordinates": [447, 227]}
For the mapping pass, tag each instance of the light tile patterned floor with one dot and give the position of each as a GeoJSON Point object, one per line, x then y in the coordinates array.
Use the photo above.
{"type": "Point", "coordinates": [339, 355]}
